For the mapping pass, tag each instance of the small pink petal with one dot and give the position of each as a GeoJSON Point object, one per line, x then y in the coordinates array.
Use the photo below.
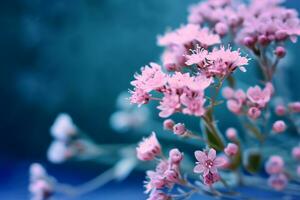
{"type": "Point", "coordinates": [200, 156]}
{"type": "Point", "coordinates": [212, 154]}
{"type": "Point", "coordinates": [199, 168]}
{"type": "Point", "coordinates": [219, 162]}
{"type": "Point", "coordinates": [206, 171]}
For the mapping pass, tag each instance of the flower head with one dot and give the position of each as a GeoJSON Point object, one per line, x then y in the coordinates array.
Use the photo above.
{"type": "Point", "coordinates": [63, 127]}
{"type": "Point", "coordinates": [149, 148]}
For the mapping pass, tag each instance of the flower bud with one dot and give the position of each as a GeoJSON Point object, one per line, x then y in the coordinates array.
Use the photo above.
{"type": "Point", "coordinates": [296, 152]}
{"type": "Point", "coordinates": [254, 113]}
{"type": "Point", "coordinates": [263, 40]}
{"type": "Point", "coordinates": [280, 110]}
{"type": "Point", "coordinates": [280, 51]}
{"type": "Point", "coordinates": [231, 149]}
{"type": "Point", "coordinates": [278, 181]}
{"type": "Point", "coordinates": [221, 28]}
{"type": "Point", "coordinates": [169, 124]}
{"type": "Point", "coordinates": [231, 133]}
{"type": "Point", "coordinates": [249, 41]}
{"type": "Point", "coordinates": [274, 165]}
{"type": "Point", "coordinates": [279, 126]}
{"type": "Point", "coordinates": [228, 92]}
{"type": "Point", "coordinates": [179, 129]}
{"type": "Point", "coordinates": [175, 156]}
{"type": "Point", "coordinates": [294, 107]}
{"type": "Point", "coordinates": [172, 175]}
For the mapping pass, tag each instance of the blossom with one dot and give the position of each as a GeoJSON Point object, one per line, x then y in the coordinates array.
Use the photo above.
{"type": "Point", "coordinates": [231, 133]}
{"type": "Point", "coordinates": [278, 181]}
{"type": "Point", "coordinates": [169, 105]}
{"type": "Point", "coordinates": [280, 110]}
{"type": "Point", "coordinates": [231, 149]}
{"type": "Point", "coordinates": [139, 96]}
{"type": "Point", "coordinates": [168, 124]}
{"type": "Point", "coordinates": [279, 126]}
{"type": "Point", "coordinates": [175, 156]}
{"type": "Point", "coordinates": [211, 178]}
{"type": "Point", "coordinates": [198, 57]}
{"type": "Point", "coordinates": [294, 107]}
{"type": "Point", "coordinates": [234, 106]}
{"type": "Point", "coordinates": [194, 105]}
{"type": "Point", "coordinates": [274, 165]}
{"type": "Point", "coordinates": [179, 129]}
{"type": "Point", "coordinates": [296, 153]}
{"type": "Point", "coordinates": [254, 112]}
{"type": "Point", "coordinates": [63, 127]}
{"type": "Point", "coordinates": [151, 78]}
{"type": "Point", "coordinates": [59, 152]}
{"type": "Point", "coordinates": [207, 162]}
{"type": "Point", "coordinates": [173, 58]}
{"type": "Point", "coordinates": [258, 96]}
{"type": "Point", "coordinates": [149, 148]}
{"type": "Point", "coordinates": [228, 92]}
{"type": "Point", "coordinates": [179, 80]}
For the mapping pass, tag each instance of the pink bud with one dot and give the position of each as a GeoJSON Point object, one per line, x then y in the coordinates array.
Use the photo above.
{"type": "Point", "coordinates": [169, 124]}
{"type": "Point", "coordinates": [263, 40]}
{"type": "Point", "coordinates": [280, 110]}
{"type": "Point", "coordinates": [279, 126]}
{"type": "Point", "coordinates": [228, 92]}
{"type": "Point", "coordinates": [234, 106]}
{"type": "Point", "coordinates": [254, 113]}
{"type": "Point", "coordinates": [211, 178]}
{"type": "Point", "coordinates": [280, 51]}
{"type": "Point", "coordinates": [231, 133]}
{"type": "Point", "coordinates": [296, 153]}
{"type": "Point", "coordinates": [295, 106]}
{"type": "Point", "coordinates": [231, 149]}
{"type": "Point", "coordinates": [179, 129]}
{"type": "Point", "coordinates": [249, 42]}
{"type": "Point", "coordinates": [175, 156]}
{"type": "Point", "coordinates": [274, 165]}
{"type": "Point", "coordinates": [221, 29]}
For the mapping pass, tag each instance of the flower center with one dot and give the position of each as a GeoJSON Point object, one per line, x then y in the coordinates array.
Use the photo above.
{"type": "Point", "coordinates": [209, 163]}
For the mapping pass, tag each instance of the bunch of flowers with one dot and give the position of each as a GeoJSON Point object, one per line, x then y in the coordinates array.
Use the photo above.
{"type": "Point", "coordinates": [199, 58]}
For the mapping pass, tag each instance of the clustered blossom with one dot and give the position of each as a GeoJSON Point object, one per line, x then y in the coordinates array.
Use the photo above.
{"type": "Point", "coordinates": [250, 103]}
{"type": "Point", "coordinates": [181, 91]}
{"type": "Point", "coordinates": [207, 164]}
{"type": "Point", "coordinates": [149, 148]}
{"type": "Point", "coordinates": [41, 184]}
{"type": "Point", "coordinates": [275, 168]}
{"type": "Point", "coordinates": [166, 175]}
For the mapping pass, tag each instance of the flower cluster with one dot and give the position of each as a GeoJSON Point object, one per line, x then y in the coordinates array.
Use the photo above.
{"type": "Point", "coordinates": [41, 184]}
{"type": "Point", "coordinates": [166, 175]}
{"type": "Point", "coordinates": [275, 168]}
{"type": "Point", "coordinates": [250, 103]}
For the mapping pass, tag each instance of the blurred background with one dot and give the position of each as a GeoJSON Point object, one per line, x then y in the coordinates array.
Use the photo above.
{"type": "Point", "coordinates": [75, 57]}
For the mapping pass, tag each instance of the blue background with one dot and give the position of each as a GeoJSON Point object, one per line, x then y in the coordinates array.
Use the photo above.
{"type": "Point", "coordinates": [75, 57]}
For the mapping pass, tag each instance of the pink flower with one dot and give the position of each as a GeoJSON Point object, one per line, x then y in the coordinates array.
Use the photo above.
{"type": "Point", "coordinates": [200, 83]}
{"type": "Point", "coordinates": [296, 152]}
{"type": "Point", "coordinates": [258, 96]}
{"type": "Point", "coordinates": [231, 149]}
{"type": "Point", "coordinates": [168, 124]}
{"type": "Point", "coordinates": [234, 106]}
{"type": "Point", "coordinates": [139, 96]}
{"type": "Point", "coordinates": [197, 57]}
{"type": "Point", "coordinates": [254, 113]}
{"type": "Point", "coordinates": [231, 134]}
{"type": "Point", "coordinates": [173, 58]}
{"type": "Point", "coordinates": [63, 128]}
{"type": "Point", "coordinates": [194, 105]}
{"type": "Point", "coordinates": [207, 162]}
{"type": "Point", "coordinates": [179, 129]}
{"type": "Point", "coordinates": [278, 181]}
{"type": "Point", "coordinates": [274, 165]}
{"type": "Point", "coordinates": [280, 110]}
{"type": "Point", "coordinates": [151, 78]}
{"type": "Point", "coordinates": [279, 126]}
{"type": "Point", "coordinates": [207, 38]}
{"type": "Point", "coordinates": [169, 105]}
{"type": "Point", "coordinates": [294, 107]}
{"type": "Point", "coordinates": [179, 80]}
{"type": "Point", "coordinates": [228, 92]}
{"type": "Point", "coordinates": [149, 148]}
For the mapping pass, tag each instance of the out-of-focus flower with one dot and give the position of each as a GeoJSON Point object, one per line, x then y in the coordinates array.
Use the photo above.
{"type": "Point", "coordinates": [278, 181]}
{"type": "Point", "coordinates": [175, 156]}
{"type": "Point", "coordinates": [63, 127]}
{"type": "Point", "coordinates": [294, 107]}
{"type": "Point", "coordinates": [254, 112]}
{"type": "Point", "coordinates": [231, 149]}
{"type": "Point", "coordinates": [179, 129]}
{"type": "Point", "coordinates": [168, 124]}
{"type": "Point", "coordinates": [279, 126]}
{"type": "Point", "coordinates": [258, 96]}
{"type": "Point", "coordinates": [231, 134]}
{"type": "Point", "coordinates": [149, 148]}
{"type": "Point", "coordinates": [59, 152]}
{"type": "Point", "coordinates": [296, 153]}
{"type": "Point", "coordinates": [274, 165]}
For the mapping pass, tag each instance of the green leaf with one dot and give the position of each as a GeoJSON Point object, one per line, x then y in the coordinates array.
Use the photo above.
{"type": "Point", "coordinates": [213, 138]}
{"type": "Point", "coordinates": [252, 161]}
{"type": "Point", "coordinates": [231, 81]}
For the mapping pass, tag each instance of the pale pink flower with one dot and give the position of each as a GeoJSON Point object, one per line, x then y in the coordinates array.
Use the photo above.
{"type": "Point", "coordinates": [254, 113]}
{"type": "Point", "coordinates": [231, 133]}
{"type": "Point", "coordinates": [278, 181]}
{"type": "Point", "coordinates": [197, 57]}
{"type": "Point", "coordinates": [228, 92]}
{"type": "Point", "coordinates": [280, 110]}
{"type": "Point", "coordinates": [139, 96]}
{"type": "Point", "coordinates": [221, 28]}
{"type": "Point", "coordinates": [294, 107]}
{"type": "Point", "coordinates": [207, 38]}
{"type": "Point", "coordinates": [63, 127]}
{"type": "Point", "coordinates": [173, 58]}
{"type": "Point", "coordinates": [296, 153]}
{"type": "Point", "coordinates": [274, 165]}
{"type": "Point", "coordinates": [41, 189]}
{"type": "Point", "coordinates": [258, 96]}
{"type": "Point", "coordinates": [240, 95]}
{"type": "Point", "coordinates": [234, 106]}
{"type": "Point", "coordinates": [151, 78]}
{"type": "Point", "coordinates": [149, 148]}
{"type": "Point", "coordinates": [168, 124]}
{"type": "Point", "coordinates": [179, 80]}
{"type": "Point", "coordinates": [279, 126]}
{"type": "Point", "coordinates": [194, 105]}
{"type": "Point", "coordinates": [200, 83]}
{"type": "Point", "coordinates": [179, 129]}
{"type": "Point", "coordinates": [231, 149]}
{"type": "Point", "coordinates": [280, 52]}
{"type": "Point", "coordinates": [207, 162]}
{"type": "Point", "coordinates": [169, 105]}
